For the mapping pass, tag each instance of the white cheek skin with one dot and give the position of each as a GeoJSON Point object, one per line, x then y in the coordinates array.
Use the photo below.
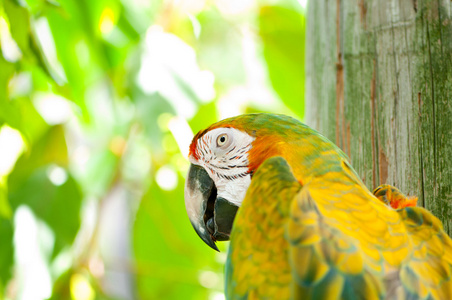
{"type": "Point", "coordinates": [233, 190]}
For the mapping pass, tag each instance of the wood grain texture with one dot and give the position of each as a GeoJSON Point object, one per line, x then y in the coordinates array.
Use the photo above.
{"type": "Point", "coordinates": [392, 62]}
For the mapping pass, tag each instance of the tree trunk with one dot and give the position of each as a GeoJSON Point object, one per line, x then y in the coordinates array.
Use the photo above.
{"type": "Point", "coordinates": [379, 84]}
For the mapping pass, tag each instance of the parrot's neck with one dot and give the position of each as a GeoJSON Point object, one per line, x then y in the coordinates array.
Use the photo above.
{"type": "Point", "coordinates": [315, 157]}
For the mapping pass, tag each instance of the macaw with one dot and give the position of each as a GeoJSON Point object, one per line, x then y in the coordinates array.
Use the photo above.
{"type": "Point", "coordinates": [301, 223]}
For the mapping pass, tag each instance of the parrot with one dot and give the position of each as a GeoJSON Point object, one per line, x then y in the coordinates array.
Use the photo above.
{"type": "Point", "coordinates": [300, 222]}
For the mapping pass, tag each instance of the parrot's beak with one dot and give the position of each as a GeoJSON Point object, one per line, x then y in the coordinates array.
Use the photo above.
{"type": "Point", "coordinates": [211, 216]}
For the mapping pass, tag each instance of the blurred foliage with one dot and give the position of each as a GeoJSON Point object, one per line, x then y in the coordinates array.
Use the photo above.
{"type": "Point", "coordinates": [282, 31]}
{"type": "Point", "coordinates": [98, 102]}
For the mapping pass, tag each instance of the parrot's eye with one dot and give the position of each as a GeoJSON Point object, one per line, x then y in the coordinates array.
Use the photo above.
{"type": "Point", "coordinates": [222, 140]}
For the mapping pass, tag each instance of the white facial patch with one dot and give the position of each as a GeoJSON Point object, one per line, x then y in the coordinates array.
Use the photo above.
{"type": "Point", "coordinates": [233, 190]}
{"type": "Point", "coordinates": [223, 152]}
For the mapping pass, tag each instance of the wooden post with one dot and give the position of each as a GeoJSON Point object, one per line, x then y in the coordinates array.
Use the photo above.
{"type": "Point", "coordinates": [379, 84]}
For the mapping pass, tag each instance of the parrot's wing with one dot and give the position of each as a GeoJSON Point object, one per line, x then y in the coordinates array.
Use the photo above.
{"type": "Point", "coordinates": [345, 244]}
{"type": "Point", "coordinates": [336, 240]}
{"type": "Point", "coordinates": [430, 268]}
{"type": "Point", "coordinates": [258, 262]}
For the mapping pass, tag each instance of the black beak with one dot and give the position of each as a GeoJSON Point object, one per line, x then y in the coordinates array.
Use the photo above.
{"type": "Point", "coordinates": [211, 216]}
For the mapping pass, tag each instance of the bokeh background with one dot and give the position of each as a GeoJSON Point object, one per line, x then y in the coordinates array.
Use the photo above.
{"type": "Point", "coordinates": [99, 101]}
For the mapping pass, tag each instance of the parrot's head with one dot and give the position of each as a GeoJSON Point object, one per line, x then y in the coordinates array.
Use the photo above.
{"type": "Point", "coordinates": [223, 159]}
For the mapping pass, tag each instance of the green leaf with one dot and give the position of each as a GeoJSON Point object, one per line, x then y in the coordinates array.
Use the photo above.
{"type": "Point", "coordinates": [49, 148]}
{"type": "Point", "coordinates": [22, 115]}
{"type": "Point", "coordinates": [5, 209]}
{"type": "Point", "coordinates": [19, 21]}
{"type": "Point", "coordinates": [7, 70]}
{"type": "Point", "coordinates": [283, 33]}
{"type": "Point", "coordinates": [207, 114]}
{"type": "Point", "coordinates": [6, 253]}
{"type": "Point", "coordinates": [10, 114]}
{"type": "Point", "coordinates": [61, 286]}
{"type": "Point", "coordinates": [29, 184]}
{"type": "Point", "coordinates": [35, 5]}
{"type": "Point", "coordinates": [32, 125]}
{"type": "Point", "coordinates": [58, 206]}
